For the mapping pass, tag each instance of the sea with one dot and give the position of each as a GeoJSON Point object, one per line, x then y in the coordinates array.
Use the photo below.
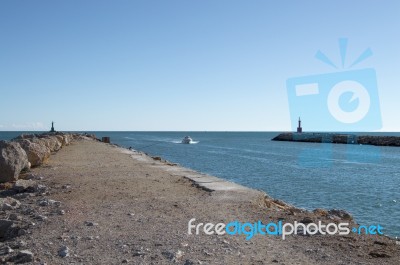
{"type": "Point", "coordinates": [363, 180]}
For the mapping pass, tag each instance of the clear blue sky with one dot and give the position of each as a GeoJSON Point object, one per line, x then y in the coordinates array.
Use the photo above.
{"type": "Point", "coordinates": [181, 65]}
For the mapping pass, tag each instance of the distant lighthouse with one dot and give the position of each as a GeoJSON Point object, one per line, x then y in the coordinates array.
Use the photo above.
{"type": "Point", "coordinates": [299, 129]}
{"type": "Point", "coordinates": [52, 127]}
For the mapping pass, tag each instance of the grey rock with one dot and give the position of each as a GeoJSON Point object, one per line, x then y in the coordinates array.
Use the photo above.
{"type": "Point", "coordinates": [54, 203]}
{"type": "Point", "coordinates": [88, 223]}
{"type": "Point", "coordinates": [23, 256]}
{"type": "Point", "coordinates": [189, 262]}
{"type": "Point", "coordinates": [61, 212]}
{"type": "Point", "coordinates": [22, 232]}
{"type": "Point", "coordinates": [41, 218]}
{"type": "Point", "coordinates": [47, 202]}
{"type": "Point", "coordinates": [5, 225]}
{"type": "Point", "coordinates": [23, 185]}
{"type": "Point", "coordinates": [5, 250]}
{"type": "Point", "coordinates": [21, 196]}
{"type": "Point", "coordinates": [43, 202]}
{"type": "Point", "coordinates": [13, 160]}
{"type": "Point", "coordinates": [341, 214]}
{"type": "Point", "coordinates": [173, 256]}
{"type": "Point", "coordinates": [41, 189]}
{"type": "Point", "coordinates": [64, 252]}
{"type": "Point", "coordinates": [9, 203]}
{"type": "Point", "coordinates": [19, 244]}
{"type": "Point", "coordinates": [14, 217]}
{"type": "Point", "coordinates": [6, 207]}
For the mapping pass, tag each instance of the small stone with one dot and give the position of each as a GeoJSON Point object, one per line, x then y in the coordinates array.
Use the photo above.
{"type": "Point", "coordinates": [21, 196]}
{"type": "Point", "coordinates": [23, 185]}
{"type": "Point", "coordinates": [179, 254]}
{"type": "Point", "coordinates": [379, 254]}
{"type": "Point", "coordinates": [43, 202]}
{"type": "Point", "coordinates": [41, 217]}
{"type": "Point", "coordinates": [7, 207]}
{"type": "Point", "coordinates": [61, 212]}
{"type": "Point", "coordinates": [139, 253]}
{"type": "Point", "coordinates": [306, 220]}
{"type": "Point", "coordinates": [41, 189]}
{"type": "Point", "coordinates": [23, 256]}
{"type": "Point", "coordinates": [91, 223]}
{"type": "Point", "coordinates": [22, 232]}
{"type": "Point", "coordinates": [64, 252]}
{"type": "Point", "coordinates": [20, 244]}
{"type": "Point", "coordinates": [55, 203]}
{"type": "Point", "coordinates": [125, 261]}
{"type": "Point", "coordinates": [9, 204]}
{"type": "Point", "coordinates": [5, 225]}
{"type": "Point", "coordinates": [14, 217]}
{"type": "Point", "coordinates": [5, 250]}
{"type": "Point", "coordinates": [131, 214]}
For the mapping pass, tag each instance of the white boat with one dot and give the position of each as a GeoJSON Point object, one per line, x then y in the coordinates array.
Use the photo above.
{"type": "Point", "coordinates": [187, 140]}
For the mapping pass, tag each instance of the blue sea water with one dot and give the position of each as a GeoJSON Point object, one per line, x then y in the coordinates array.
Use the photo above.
{"type": "Point", "coordinates": [364, 180]}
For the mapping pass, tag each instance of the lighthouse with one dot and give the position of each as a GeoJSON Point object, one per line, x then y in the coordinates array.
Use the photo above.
{"type": "Point", "coordinates": [52, 127]}
{"type": "Point", "coordinates": [299, 129]}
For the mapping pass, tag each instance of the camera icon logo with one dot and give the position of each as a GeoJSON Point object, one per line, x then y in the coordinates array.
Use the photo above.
{"type": "Point", "coordinates": [342, 101]}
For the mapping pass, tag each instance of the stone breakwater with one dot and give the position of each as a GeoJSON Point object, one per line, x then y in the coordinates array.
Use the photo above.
{"type": "Point", "coordinates": [339, 138]}
{"type": "Point", "coordinates": [31, 150]}
{"type": "Point", "coordinates": [96, 203]}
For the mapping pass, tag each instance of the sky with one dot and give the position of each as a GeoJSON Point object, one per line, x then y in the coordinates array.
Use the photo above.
{"type": "Point", "coordinates": [183, 65]}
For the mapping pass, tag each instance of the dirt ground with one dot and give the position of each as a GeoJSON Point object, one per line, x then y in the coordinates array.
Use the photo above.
{"type": "Point", "coordinates": [125, 207]}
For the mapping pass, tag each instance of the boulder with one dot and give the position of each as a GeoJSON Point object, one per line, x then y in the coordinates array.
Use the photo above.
{"type": "Point", "coordinates": [13, 160]}
{"type": "Point", "coordinates": [52, 143]}
{"type": "Point", "coordinates": [25, 136]}
{"type": "Point", "coordinates": [37, 153]}
{"type": "Point", "coordinates": [60, 138]}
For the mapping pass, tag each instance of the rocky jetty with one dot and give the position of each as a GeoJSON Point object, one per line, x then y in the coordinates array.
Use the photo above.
{"type": "Point", "coordinates": [96, 203]}
{"type": "Point", "coordinates": [31, 150]}
{"type": "Point", "coordinates": [339, 138]}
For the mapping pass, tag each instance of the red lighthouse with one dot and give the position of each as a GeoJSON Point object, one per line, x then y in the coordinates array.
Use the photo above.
{"type": "Point", "coordinates": [299, 129]}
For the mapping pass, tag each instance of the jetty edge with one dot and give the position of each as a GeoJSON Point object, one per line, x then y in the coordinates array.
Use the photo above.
{"type": "Point", "coordinates": [338, 138]}
{"type": "Point", "coordinates": [96, 203]}
{"type": "Point", "coordinates": [32, 150]}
